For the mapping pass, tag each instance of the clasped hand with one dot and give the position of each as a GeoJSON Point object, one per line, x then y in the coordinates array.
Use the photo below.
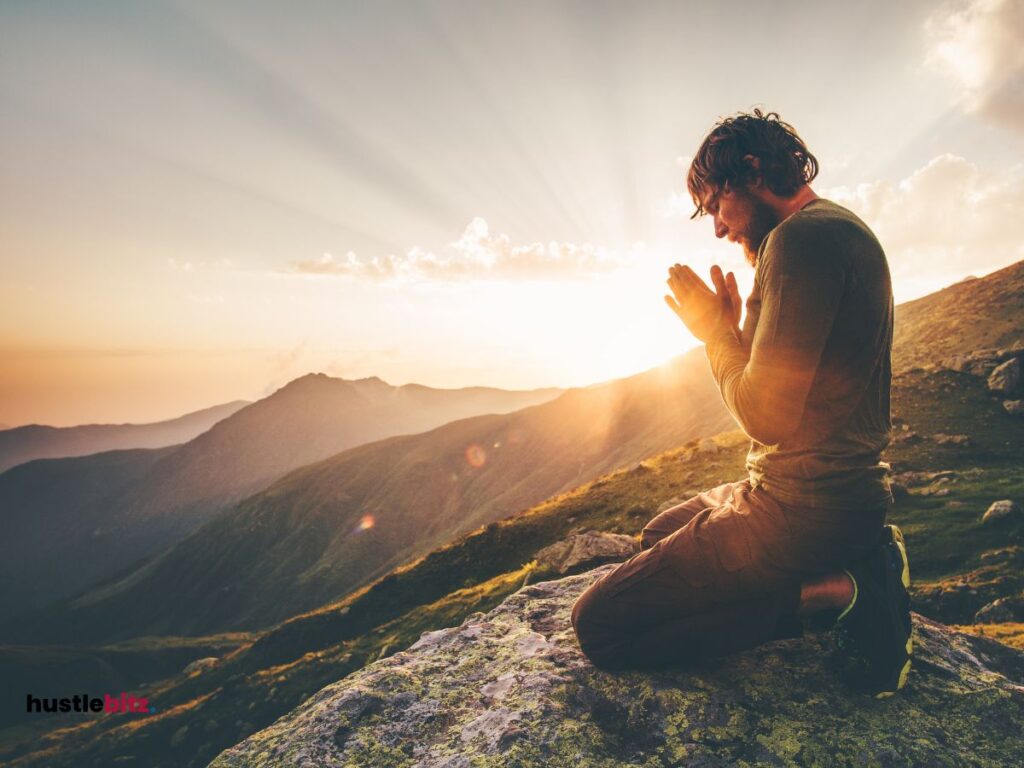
{"type": "Point", "coordinates": [705, 313]}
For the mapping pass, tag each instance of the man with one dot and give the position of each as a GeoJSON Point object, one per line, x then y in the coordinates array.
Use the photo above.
{"type": "Point", "coordinates": [807, 377]}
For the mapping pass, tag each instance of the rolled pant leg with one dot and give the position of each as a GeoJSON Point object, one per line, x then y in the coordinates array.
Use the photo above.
{"type": "Point", "coordinates": [705, 583]}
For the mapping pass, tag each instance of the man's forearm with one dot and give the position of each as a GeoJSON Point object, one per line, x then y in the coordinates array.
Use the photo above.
{"type": "Point", "coordinates": [729, 359]}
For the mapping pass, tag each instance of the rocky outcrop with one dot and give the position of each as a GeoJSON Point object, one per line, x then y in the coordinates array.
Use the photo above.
{"type": "Point", "coordinates": [1005, 378]}
{"type": "Point", "coordinates": [201, 665]}
{"type": "Point", "coordinates": [1004, 509]}
{"type": "Point", "coordinates": [512, 688]}
{"type": "Point", "coordinates": [1002, 610]}
{"type": "Point", "coordinates": [982, 362]}
{"type": "Point", "coordinates": [586, 550]}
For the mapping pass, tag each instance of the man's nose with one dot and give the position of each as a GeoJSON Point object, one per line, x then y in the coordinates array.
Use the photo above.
{"type": "Point", "coordinates": [720, 229]}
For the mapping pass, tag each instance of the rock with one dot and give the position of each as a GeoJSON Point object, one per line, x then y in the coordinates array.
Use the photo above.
{"type": "Point", "coordinates": [586, 550]}
{"type": "Point", "coordinates": [943, 439]}
{"type": "Point", "coordinates": [1013, 407]}
{"type": "Point", "coordinates": [1000, 510]}
{"type": "Point", "coordinates": [200, 665]}
{"type": "Point", "coordinates": [1005, 379]}
{"type": "Point", "coordinates": [911, 478]}
{"type": "Point", "coordinates": [1001, 610]}
{"type": "Point", "coordinates": [512, 688]}
{"type": "Point", "coordinates": [980, 362]}
{"type": "Point", "coordinates": [906, 436]}
{"type": "Point", "coordinates": [670, 503]}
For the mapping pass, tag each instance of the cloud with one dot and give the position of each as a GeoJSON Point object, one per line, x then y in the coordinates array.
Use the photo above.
{"type": "Point", "coordinates": [980, 44]}
{"type": "Point", "coordinates": [947, 219]}
{"type": "Point", "coordinates": [475, 255]}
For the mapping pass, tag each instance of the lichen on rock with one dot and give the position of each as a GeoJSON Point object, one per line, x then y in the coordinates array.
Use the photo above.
{"type": "Point", "coordinates": [512, 688]}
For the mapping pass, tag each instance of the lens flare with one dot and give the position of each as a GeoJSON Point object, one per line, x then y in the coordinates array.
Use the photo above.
{"type": "Point", "coordinates": [476, 456]}
{"type": "Point", "coordinates": [365, 522]}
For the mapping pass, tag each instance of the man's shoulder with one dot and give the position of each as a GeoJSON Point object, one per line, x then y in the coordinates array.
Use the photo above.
{"type": "Point", "coordinates": [821, 218]}
{"type": "Point", "coordinates": [822, 229]}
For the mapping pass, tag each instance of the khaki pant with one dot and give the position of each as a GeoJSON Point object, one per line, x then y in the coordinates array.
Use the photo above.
{"type": "Point", "coordinates": [716, 574]}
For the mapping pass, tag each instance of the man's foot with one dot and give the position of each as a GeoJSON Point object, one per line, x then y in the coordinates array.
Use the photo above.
{"type": "Point", "coordinates": [875, 629]}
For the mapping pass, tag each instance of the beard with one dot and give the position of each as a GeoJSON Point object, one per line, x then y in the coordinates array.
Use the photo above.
{"type": "Point", "coordinates": [762, 220]}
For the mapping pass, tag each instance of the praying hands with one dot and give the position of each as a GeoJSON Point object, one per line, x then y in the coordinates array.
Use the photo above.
{"type": "Point", "coordinates": [704, 312]}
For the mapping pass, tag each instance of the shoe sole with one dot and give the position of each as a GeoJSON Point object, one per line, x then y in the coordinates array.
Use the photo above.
{"type": "Point", "coordinates": [895, 536]}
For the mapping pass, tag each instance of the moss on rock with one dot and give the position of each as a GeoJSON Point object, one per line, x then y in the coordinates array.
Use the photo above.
{"type": "Point", "coordinates": [496, 691]}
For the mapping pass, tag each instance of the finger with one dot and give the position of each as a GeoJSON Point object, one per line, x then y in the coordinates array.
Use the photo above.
{"type": "Point", "coordinates": [680, 284]}
{"type": "Point", "coordinates": [734, 298]}
{"type": "Point", "coordinates": [734, 289]}
{"type": "Point", "coordinates": [674, 306]}
{"type": "Point", "coordinates": [689, 279]}
{"type": "Point", "coordinates": [718, 279]}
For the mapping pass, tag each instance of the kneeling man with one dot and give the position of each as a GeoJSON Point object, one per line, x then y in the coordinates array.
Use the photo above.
{"type": "Point", "coordinates": [807, 377]}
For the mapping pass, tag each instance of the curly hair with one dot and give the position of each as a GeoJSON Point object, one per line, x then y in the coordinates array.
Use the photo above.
{"type": "Point", "coordinates": [785, 162]}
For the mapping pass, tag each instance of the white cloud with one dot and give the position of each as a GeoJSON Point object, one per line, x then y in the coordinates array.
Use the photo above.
{"type": "Point", "coordinates": [476, 254]}
{"type": "Point", "coordinates": [980, 44]}
{"type": "Point", "coordinates": [944, 221]}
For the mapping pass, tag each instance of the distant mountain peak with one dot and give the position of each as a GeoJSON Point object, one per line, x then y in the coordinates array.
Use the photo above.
{"type": "Point", "coordinates": [320, 377]}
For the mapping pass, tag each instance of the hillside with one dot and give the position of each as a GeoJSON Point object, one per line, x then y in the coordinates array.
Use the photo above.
{"type": "Point", "coordinates": [38, 441]}
{"type": "Point", "coordinates": [330, 527]}
{"type": "Point", "coordinates": [133, 516]}
{"type": "Point", "coordinates": [976, 313]}
{"type": "Point", "coordinates": [60, 508]}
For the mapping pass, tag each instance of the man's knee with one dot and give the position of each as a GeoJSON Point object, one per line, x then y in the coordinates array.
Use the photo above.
{"type": "Point", "coordinates": [595, 635]}
{"type": "Point", "coordinates": [649, 537]}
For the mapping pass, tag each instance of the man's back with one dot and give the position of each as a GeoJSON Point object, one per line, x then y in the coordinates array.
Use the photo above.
{"type": "Point", "coordinates": [819, 334]}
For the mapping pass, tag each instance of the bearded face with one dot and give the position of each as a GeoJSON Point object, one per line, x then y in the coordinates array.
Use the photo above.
{"type": "Point", "coordinates": [753, 219]}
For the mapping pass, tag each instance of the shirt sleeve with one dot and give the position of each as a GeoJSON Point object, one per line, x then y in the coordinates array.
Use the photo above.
{"type": "Point", "coordinates": [801, 282]}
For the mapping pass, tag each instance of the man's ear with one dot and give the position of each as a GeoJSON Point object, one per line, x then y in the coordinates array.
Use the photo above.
{"type": "Point", "coordinates": [755, 163]}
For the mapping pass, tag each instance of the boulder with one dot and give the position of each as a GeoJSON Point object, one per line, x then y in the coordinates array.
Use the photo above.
{"type": "Point", "coordinates": [1001, 610]}
{"type": "Point", "coordinates": [511, 687]}
{"type": "Point", "coordinates": [908, 436]}
{"type": "Point", "coordinates": [200, 665]}
{"type": "Point", "coordinates": [944, 439]}
{"type": "Point", "coordinates": [1001, 510]}
{"type": "Point", "coordinates": [1005, 378]}
{"type": "Point", "coordinates": [1013, 407]}
{"type": "Point", "coordinates": [586, 550]}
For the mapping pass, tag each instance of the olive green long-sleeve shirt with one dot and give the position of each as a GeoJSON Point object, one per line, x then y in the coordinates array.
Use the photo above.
{"type": "Point", "coordinates": [808, 380]}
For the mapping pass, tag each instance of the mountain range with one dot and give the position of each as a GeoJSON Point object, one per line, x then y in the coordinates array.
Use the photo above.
{"type": "Point", "coordinates": [325, 529]}
{"type": "Point", "coordinates": [103, 514]}
{"type": "Point", "coordinates": [38, 441]}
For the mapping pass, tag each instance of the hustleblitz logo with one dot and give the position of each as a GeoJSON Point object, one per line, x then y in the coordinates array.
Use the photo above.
{"type": "Point", "coordinates": [125, 703]}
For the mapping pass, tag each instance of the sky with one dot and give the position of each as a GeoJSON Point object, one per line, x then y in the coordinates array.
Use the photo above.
{"type": "Point", "coordinates": [200, 202]}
